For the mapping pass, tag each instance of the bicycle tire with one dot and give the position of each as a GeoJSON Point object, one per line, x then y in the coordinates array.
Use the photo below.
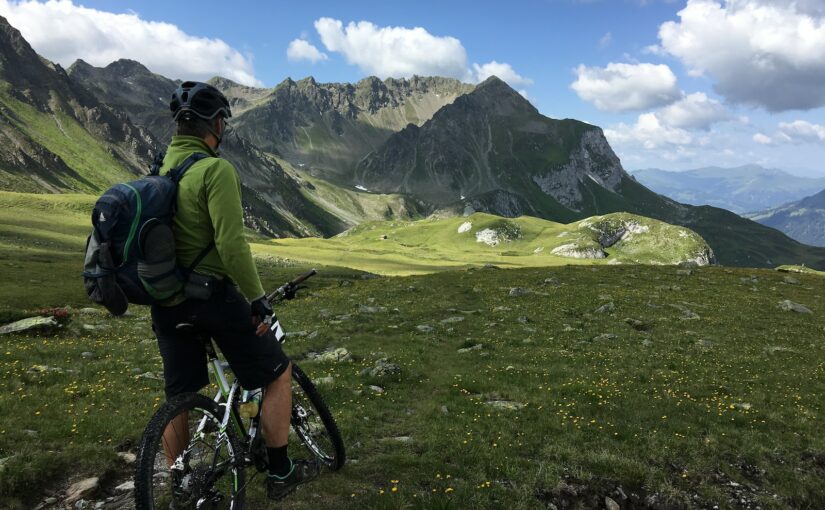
{"type": "Point", "coordinates": [153, 472]}
{"type": "Point", "coordinates": [332, 455]}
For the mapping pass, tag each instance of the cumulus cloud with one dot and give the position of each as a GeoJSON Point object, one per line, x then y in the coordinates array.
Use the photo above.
{"type": "Point", "coordinates": [768, 53]}
{"type": "Point", "coordinates": [393, 51]}
{"type": "Point", "coordinates": [694, 111]}
{"type": "Point", "coordinates": [802, 131]}
{"type": "Point", "coordinates": [648, 132]}
{"type": "Point", "coordinates": [64, 32]}
{"type": "Point", "coordinates": [502, 70]}
{"type": "Point", "coordinates": [300, 49]}
{"type": "Point", "coordinates": [402, 52]}
{"type": "Point", "coordinates": [762, 139]}
{"type": "Point", "coordinates": [626, 87]}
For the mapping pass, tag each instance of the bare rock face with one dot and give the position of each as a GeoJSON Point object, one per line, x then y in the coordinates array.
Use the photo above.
{"type": "Point", "coordinates": [594, 160]}
{"type": "Point", "coordinates": [576, 251]}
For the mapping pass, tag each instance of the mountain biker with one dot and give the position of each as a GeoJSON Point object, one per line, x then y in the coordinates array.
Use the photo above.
{"type": "Point", "coordinates": [224, 297]}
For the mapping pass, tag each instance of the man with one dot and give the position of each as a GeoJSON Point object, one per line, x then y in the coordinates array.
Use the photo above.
{"type": "Point", "coordinates": [208, 225]}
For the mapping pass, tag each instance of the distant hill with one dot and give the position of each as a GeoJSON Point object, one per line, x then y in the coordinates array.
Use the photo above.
{"type": "Point", "coordinates": [742, 189]}
{"type": "Point", "coordinates": [803, 220]}
{"type": "Point", "coordinates": [428, 245]}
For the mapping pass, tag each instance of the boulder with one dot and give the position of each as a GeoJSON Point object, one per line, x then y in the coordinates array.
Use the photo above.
{"type": "Point", "coordinates": [30, 324]}
{"type": "Point", "coordinates": [81, 489]}
{"type": "Point", "coordinates": [790, 306]}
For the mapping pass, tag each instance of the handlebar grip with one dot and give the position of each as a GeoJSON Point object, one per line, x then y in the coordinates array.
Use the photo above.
{"type": "Point", "coordinates": [304, 277]}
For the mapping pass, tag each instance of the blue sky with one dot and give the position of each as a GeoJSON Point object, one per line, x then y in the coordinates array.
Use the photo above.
{"type": "Point", "coordinates": [675, 84]}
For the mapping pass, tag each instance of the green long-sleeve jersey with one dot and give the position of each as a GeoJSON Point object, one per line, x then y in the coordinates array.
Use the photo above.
{"type": "Point", "coordinates": [209, 208]}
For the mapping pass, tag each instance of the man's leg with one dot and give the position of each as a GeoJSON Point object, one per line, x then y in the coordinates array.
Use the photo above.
{"type": "Point", "coordinates": [275, 416]}
{"type": "Point", "coordinates": [176, 437]}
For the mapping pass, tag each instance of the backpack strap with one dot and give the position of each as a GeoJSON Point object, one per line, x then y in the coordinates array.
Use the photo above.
{"type": "Point", "coordinates": [202, 255]}
{"type": "Point", "coordinates": [176, 174]}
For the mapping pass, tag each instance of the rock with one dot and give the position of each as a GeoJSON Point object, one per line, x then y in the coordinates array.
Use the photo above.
{"type": "Point", "coordinates": [552, 281]}
{"type": "Point", "coordinates": [371, 309]}
{"type": "Point", "coordinates": [4, 461]}
{"type": "Point", "coordinates": [30, 432]}
{"type": "Point", "coordinates": [605, 308]}
{"type": "Point", "coordinates": [91, 311]}
{"type": "Point", "coordinates": [382, 368]}
{"type": "Point", "coordinates": [523, 319]}
{"type": "Point", "coordinates": [88, 355]}
{"type": "Point", "coordinates": [575, 251]}
{"type": "Point", "coordinates": [490, 266]}
{"type": "Point", "coordinates": [790, 280]}
{"type": "Point", "coordinates": [452, 320]}
{"type": "Point", "coordinates": [790, 306]}
{"type": "Point", "coordinates": [30, 324]}
{"type": "Point", "coordinates": [505, 405]}
{"type": "Point", "coordinates": [50, 500]}
{"type": "Point", "coordinates": [128, 457]}
{"type": "Point", "coordinates": [344, 283]}
{"type": "Point", "coordinates": [370, 276]}
{"type": "Point", "coordinates": [333, 355]}
{"type": "Point", "coordinates": [402, 439]}
{"type": "Point", "coordinates": [605, 336]}
{"type": "Point", "coordinates": [609, 504]}
{"type": "Point", "coordinates": [444, 410]}
{"type": "Point", "coordinates": [502, 309]}
{"type": "Point", "coordinates": [647, 343]}
{"type": "Point", "coordinates": [637, 324]}
{"type": "Point", "coordinates": [568, 327]}
{"type": "Point", "coordinates": [127, 486]}
{"type": "Point", "coordinates": [704, 343]}
{"type": "Point", "coordinates": [687, 313]}
{"type": "Point", "coordinates": [81, 489]}
{"type": "Point", "coordinates": [518, 291]}
{"type": "Point", "coordinates": [684, 272]}
{"type": "Point", "coordinates": [476, 347]}
{"type": "Point", "coordinates": [324, 381]}
{"type": "Point", "coordinates": [377, 389]}
{"type": "Point", "coordinates": [81, 505]}
{"type": "Point", "coordinates": [150, 375]}
{"type": "Point", "coordinates": [424, 328]}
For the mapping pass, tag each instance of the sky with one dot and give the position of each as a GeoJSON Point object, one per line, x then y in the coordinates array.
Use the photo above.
{"type": "Point", "coordinates": [674, 84]}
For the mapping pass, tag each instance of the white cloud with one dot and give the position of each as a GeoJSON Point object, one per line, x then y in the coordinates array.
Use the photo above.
{"type": "Point", "coordinates": [695, 111]}
{"type": "Point", "coordinates": [402, 52]}
{"type": "Point", "coordinates": [300, 49]}
{"type": "Point", "coordinates": [769, 53]}
{"type": "Point", "coordinates": [802, 131]}
{"type": "Point", "coordinates": [606, 40]}
{"type": "Point", "coordinates": [502, 70]}
{"type": "Point", "coordinates": [648, 132]}
{"type": "Point", "coordinates": [64, 32]}
{"type": "Point", "coordinates": [762, 139]}
{"type": "Point", "coordinates": [626, 87]}
{"type": "Point", "coordinates": [394, 51]}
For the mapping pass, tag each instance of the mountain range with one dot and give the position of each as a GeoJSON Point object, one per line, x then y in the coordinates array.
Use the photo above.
{"type": "Point", "coordinates": [803, 220]}
{"type": "Point", "coordinates": [742, 189]}
{"type": "Point", "coordinates": [307, 152]}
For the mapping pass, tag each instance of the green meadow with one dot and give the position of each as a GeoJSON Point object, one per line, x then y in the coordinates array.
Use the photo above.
{"type": "Point", "coordinates": [526, 380]}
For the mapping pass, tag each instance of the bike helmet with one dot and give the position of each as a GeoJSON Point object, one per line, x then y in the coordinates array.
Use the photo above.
{"type": "Point", "coordinates": [199, 98]}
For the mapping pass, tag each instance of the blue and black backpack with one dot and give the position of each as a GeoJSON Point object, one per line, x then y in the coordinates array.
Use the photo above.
{"type": "Point", "coordinates": [130, 254]}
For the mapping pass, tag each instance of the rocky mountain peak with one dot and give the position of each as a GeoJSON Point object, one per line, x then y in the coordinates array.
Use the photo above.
{"type": "Point", "coordinates": [496, 96]}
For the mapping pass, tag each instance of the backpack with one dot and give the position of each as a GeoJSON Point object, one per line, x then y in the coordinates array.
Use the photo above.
{"type": "Point", "coordinates": [130, 254]}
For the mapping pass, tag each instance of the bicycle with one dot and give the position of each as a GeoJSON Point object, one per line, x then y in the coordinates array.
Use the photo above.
{"type": "Point", "coordinates": [222, 436]}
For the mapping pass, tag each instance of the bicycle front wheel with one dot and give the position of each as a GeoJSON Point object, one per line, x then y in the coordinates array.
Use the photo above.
{"type": "Point", "coordinates": [313, 423]}
{"type": "Point", "coordinates": [187, 461]}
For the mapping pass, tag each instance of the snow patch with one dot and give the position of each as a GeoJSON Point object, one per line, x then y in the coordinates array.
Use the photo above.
{"type": "Point", "coordinates": [358, 186]}
{"type": "Point", "coordinates": [465, 227]}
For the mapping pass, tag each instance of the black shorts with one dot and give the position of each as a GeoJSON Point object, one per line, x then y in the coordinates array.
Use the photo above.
{"type": "Point", "coordinates": [226, 317]}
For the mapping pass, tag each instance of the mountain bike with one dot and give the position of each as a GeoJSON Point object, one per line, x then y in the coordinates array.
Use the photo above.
{"type": "Point", "coordinates": [221, 436]}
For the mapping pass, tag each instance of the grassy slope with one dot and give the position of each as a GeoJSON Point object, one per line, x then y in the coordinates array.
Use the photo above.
{"type": "Point", "coordinates": [676, 412]}
{"type": "Point", "coordinates": [434, 245]}
{"type": "Point", "coordinates": [63, 136]}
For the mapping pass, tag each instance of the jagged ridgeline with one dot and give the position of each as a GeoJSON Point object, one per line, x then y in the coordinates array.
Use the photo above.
{"type": "Point", "coordinates": [307, 152]}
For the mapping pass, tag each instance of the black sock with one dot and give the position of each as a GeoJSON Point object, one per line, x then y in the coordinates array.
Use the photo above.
{"type": "Point", "coordinates": [279, 463]}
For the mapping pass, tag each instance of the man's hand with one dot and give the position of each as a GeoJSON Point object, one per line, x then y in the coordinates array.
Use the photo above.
{"type": "Point", "coordinates": [262, 315]}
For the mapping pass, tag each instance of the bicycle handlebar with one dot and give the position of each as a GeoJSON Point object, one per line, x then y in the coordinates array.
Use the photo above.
{"type": "Point", "coordinates": [288, 288]}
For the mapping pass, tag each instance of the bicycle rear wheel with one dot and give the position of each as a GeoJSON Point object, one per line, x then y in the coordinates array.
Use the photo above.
{"type": "Point", "coordinates": [312, 422]}
{"type": "Point", "coordinates": [207, 474]}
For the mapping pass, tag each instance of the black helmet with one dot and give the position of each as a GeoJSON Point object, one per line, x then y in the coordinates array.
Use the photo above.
{"type": "Point", "coordinates": [199, 98]}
